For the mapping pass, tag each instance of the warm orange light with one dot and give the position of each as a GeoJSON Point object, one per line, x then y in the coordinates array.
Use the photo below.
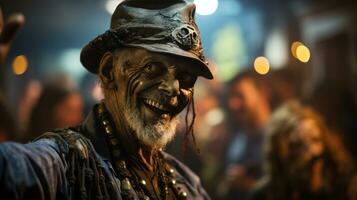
{"type": "Point", "coordinates": [261, 65]}
{"type": "Point", "coordinates": [303, 53]}
{"type": "Point", "coordinates": [20, 65]}
{"type": "Point", "coordinates": [294, 47]}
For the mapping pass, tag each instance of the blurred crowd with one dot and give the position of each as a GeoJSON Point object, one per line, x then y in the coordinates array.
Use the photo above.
{"type": "Point", "coordinates": [256, 137]}
{"type": "Point", "coordinates": [259, 139]}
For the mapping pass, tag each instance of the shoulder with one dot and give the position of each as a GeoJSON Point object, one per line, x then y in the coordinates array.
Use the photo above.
{"type": "Point", "coordinates": [181, 168]}
{"type": "Point", "coordinates": [67, 141]}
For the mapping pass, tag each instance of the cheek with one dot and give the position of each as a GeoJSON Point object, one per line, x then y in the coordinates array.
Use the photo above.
{"type": "Point", "coordinates": [135, 84]}
{"type": "Point", "coordinates": [132, 84]}
{"type": "Point", "coordinates": [140, 87]}
{"type": "Point", "coordinates": [184, 97]}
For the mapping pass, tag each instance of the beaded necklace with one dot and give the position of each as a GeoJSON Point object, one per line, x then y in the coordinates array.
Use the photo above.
{"type": "Point", "coordinates": [129, 178]}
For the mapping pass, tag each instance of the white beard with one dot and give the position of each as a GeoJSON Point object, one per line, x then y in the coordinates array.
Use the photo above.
{"type": "Point", "coordinates": [154, 135]}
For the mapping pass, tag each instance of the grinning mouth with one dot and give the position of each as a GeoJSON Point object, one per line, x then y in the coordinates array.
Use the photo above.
{"type": "Point", "coordinates": [157, 107]}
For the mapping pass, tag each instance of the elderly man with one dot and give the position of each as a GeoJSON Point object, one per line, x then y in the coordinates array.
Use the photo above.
{"type": "Point", "coordinates": [148, 63]}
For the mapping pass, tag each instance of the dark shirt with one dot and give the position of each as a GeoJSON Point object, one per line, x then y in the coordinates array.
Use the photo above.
{"type": "Point", "coordinates": [53, 167]}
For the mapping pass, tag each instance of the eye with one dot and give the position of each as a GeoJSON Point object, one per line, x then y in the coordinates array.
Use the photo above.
{"type": "Point", "coordinates": [187, 80]}
{"type": "Point", "coordinates": [153, 69]}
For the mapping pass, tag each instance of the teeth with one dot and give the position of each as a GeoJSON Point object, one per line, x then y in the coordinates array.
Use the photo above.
{"type": "Point", "coordinates": [154, 104]}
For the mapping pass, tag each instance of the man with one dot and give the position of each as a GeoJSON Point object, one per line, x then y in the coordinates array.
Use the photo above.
{"type": "Point", "coordinates": [148, 63]}
{"type": "Point", "coordinates": [249, 104]}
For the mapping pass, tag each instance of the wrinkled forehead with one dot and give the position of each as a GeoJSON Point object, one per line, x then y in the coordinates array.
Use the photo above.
{"type": "Point", "coordinates": [138, 58]}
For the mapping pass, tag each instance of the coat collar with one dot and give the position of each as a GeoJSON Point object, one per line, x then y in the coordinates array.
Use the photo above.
{"type": "Point", "coordinates": [91, 129]}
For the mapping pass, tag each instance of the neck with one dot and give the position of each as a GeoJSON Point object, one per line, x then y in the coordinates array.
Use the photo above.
{"type": "Point", "coordinates": [129, 142]}
{"type": "Point", "coordinates": [146, 155]}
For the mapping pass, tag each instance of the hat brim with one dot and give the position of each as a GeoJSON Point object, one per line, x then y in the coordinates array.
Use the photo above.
{"type": "Point", "coordinates": [92, 53]}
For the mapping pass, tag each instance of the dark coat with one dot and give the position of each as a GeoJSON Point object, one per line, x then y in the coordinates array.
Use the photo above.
{"type": "Point", "coordinates": [73, 164]}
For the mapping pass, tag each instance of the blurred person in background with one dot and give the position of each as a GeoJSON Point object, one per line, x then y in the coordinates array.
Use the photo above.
{"type": "Point", "coordinates": [28, 99]}
{"type": "Point", "coordinates": [90, 91]}
{"type": "Point", "coordinates": [7, 125]}
{"type": "Point", "coordinates": [58, 106]}
{"type": "Point", "coordinates": [336, 104]}
{"type": "Point", "coordinates": [303, 160]}
{"type": "Point", "coordinates": [8, 31]}
{"type": "Point", "coordinates": [249, 104]}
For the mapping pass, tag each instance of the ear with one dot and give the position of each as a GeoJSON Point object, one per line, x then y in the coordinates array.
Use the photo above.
{"type": "Point", "coordinates": [106, 71]}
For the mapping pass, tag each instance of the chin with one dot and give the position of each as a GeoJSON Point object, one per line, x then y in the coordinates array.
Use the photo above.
{"type": "Point", "coordinates": [155, 135]}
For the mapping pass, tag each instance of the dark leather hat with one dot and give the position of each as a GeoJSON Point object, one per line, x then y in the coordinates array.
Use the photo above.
{"type": "Point", "coordinates": [164, 26]}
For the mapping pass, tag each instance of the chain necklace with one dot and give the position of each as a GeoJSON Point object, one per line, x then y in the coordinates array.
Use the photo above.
{"type": "Point", "coordinates": [129, 178]}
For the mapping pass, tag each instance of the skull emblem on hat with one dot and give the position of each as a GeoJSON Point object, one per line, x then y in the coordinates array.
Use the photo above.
{"type": "Point", "coordinates": [186, 37]}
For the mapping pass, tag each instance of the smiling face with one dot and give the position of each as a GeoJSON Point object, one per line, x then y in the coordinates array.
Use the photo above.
{"type": "Point", "coordinates": [150, 90]}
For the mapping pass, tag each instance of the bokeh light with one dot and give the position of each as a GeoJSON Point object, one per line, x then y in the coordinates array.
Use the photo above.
{"type": "Point", "coordinates": [294, 47]}
{"type": "Point", "coordinates": [261, 65]}
{"type": "Point", "coordinates": [303, 53]}
{"type": "Point", "coordinates": [234, 57]}
{"type": "Point", "coordinates": [277, 49]}
{"type": "Point", "coordinates": [206, 7]}
{"type": "Point", "coordinates": [300, 51]}
{"type": "Point", "coordinates": [20, 65]}
{"type": "Point", "coordinates": [214, 117]}
{"type": "Point", "coordinates": [111, 5]}
{"type": "Point", "coordinates": [68, 62]}
{"type": "Point", "coordinates": [97, 92]}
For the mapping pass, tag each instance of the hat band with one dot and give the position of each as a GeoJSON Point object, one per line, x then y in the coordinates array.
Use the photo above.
{"type": "Point", "coordinates": [184, 36]}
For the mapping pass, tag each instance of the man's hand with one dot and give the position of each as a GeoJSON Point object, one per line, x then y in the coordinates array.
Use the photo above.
{"type": "Point", "coordinates": [8, 32]}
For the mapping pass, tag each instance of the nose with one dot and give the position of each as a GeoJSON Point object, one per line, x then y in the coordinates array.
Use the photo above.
{"type": "Point", "coordinates": [170, 86]}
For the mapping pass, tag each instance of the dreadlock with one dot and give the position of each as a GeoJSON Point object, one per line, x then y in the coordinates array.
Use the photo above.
{"type": "Point", "coordinates": [190, 126]}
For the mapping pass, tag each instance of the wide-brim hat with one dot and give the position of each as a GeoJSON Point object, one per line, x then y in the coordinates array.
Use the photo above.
{"type": "Point", "coordinates": [163, 26]}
